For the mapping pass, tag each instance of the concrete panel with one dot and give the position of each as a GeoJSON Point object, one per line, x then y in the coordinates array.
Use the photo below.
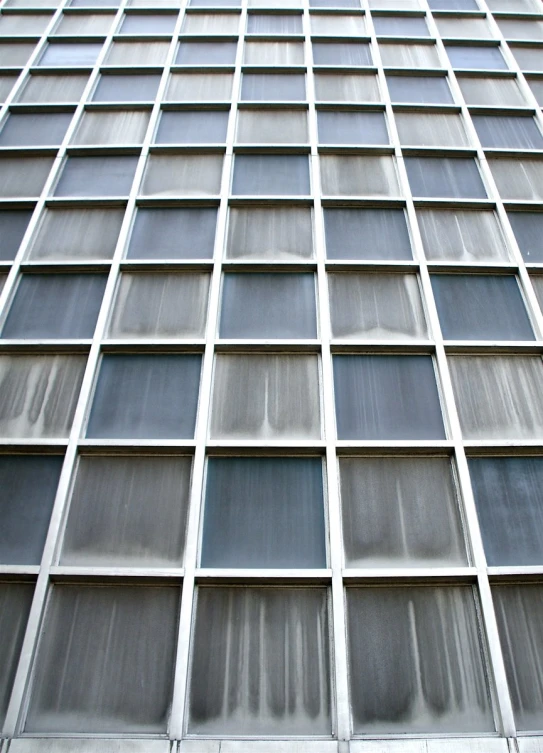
{"type": "Point", "coordinates": [530, 744]}
{"type": "Point", "coordinates": [73, 745]}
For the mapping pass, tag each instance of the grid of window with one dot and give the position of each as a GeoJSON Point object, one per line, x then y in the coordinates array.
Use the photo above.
{"type": "Point", "coordinates": [271, 417]}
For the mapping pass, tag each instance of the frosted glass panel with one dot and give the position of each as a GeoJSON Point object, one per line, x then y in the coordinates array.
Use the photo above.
{"type": "Point", "coordinates": [126, 88]}
{"type": "Point", "coordinates": [400, 512]}
{"type": "Point", "coordinates": [498, 397]}
{"type": "Point", "coordinates": [376, 307]}
{"type": "Point", "coordinates": [137, 53]}
{"type": "Point", "coordinates": [386, 397]}
{"type": "Point", "coordinates": [336, 127]}
{"type": "Point", "coordinates": [444, 177]}
{"type": "Point", "coordinates": [266, 306]}
{"type": "Point", "coordinates": [419, 89]}
{"type": "Point", "coordinates": [116, 646]}
{"type": "Point", "coordinates": [192, 127]}
{"type": "Point", "coordinates": [160, 305]}
{"type": "Point", "coordinates": [462, 28]}
{"type": "Point", "coordinates": [77, 234]}
{"type": "Point", "coordinates": [182, 175]}
{"type": "Point", "coordinates": [358, 176]}
{"type": "Point", "coordinates": [145, 397]}
{"type": "Point", "coordinates": [273, 87]}
{"type": "Point", "coordinates": [346, 88]}
{"type": "Point", "coordinates": [38, 394]}
{"type": "Point", "coordinates": [13, 53]}
{"type": "Point", "coordinates": [97, 176]}
{"type": "Point", "coordinates": [272, 127]}
{"type": "Point", "coordinates": [118, 127]}
{"type": "Point", "coordinates": [6, 85]}
{"type": "Point", "coordinates": [269, 233]}
{"type": "Point", "coordinates": [528, 58]}
{"type": "Point", "coordinates": [128, 511]}
{"type": "Point", "coordinates": [366, 234]}
{"type": "Point", "coordinates": [70, 53]}
{"type": "Point", "coordinates": [147, 23]}
{"type": "Point", "coordinates": [246, 642]}
{"type": "Point", "coordinates": [274, 23]}
{"type": "Point", "coordinates": [206, 53]}
{"type": "Point", "coordinates": [21, 24]}
{"type": "Point", "coordinates": [491, 91]}
{"type": "Point", "coordinates": [28, 485]}
{"type": "Point", "coordinates": [464, 56]}
{"type": "Point", "coordinates": [418, 129]}
{"type": "Point", "coordinates": [188, 87]}
{"type": "Point", "coordinates": [409, 55]}
{"type": "Point", "coordinates": [210, 23]}
{"type": "Point", "coordinates": [537, 89]}
{"type": "Point", "coordinates": [461, 235]}
{"type": "Point", "coordinates": [528, 230]}
{"type": "Point", "coordinates": [180, 233]}
{"type": "Point", "coordinates": [274, 53]}
{"type": "Point", "coordinates": [341, 25]}
{"type": "Point", "coordinates": [13, 224]}
{"type": "Point", "coordinates": [23, 176]}
{"type": "Point", "coordinates": [416, 661]}
{"type": "Point", "coordinates": [509, 497]}
{"type": "Point", "coordinates": [15, 602]}
{"type": "Point", "coordinates": [85, 24]}
{"type": "Point", "coordinates": [341, 53]}
{"type": "Point", "coordinates": [264, 512]}
{"type": "Point", "coordinates": [266, 397]}
{"type": "Point", "coordinates": [35, 129]}
{"type": "Point", "coordinates": [270, 175]}
{"type": "Point", "coordinates": [508, 132]}
{"type": "Point", "coordinates": [518, 179]}
{"type": "Point", "coordinates": [53, 89]}
{"type": "Point", "coordinates": [537, 282]}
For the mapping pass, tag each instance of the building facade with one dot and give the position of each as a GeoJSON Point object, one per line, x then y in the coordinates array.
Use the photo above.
{"type": "Point", "coordinates": [271, 386]}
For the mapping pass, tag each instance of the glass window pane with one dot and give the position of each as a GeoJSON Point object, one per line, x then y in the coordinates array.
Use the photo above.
{"type": "Point", "coordinates": [501, 92]}
{"type": "Point", "coordinates": [537, 282]}
{"type": "Point", "coordinates": [274, 53]}
{"type": "Point", "coordinates": [376, 307]}
{"type": "Point", "coordinates": [409, 55]}
{"type": "Point", "coordinates": [275, 627]}
{"type": "Point", "coordinates": [498, 397]}
{"type": "Point", "coordinates": [23, 176]}
{"type": "Point", "coordinates": [461, 235]}
{"type": "Point", "coordinates": [192, 127]}
{"type": "Point", "coordinates": [97, 176]}
{"type": "Point", "coordinates": [38, 394]}
{"type": "Point", "coordinates": [416, 661]}
{"type": "Point", "coordinates": [462, 56]}
{"type": "Point", "coordinates": [445, 177]}
{"type": "Point", "coordinates": [28, 485]}
{"type": "Point", "coordinates": [160, 305]}
{"type": "Point", "coordinates": [6, 85]}
{"type": "Point", "coordinates": [528, 230]}
{"type": "Point", "coordinates": [33, 129]}
{"type": "Point", "coordinates": [528, 58]}
{"type": "Point", "coordinates": [358, 176]}
{"type": "Point", "coordinates": [273, 86]}
{"type": "Point", "coordinates": [269, 233]}
{"type": "Point", "coordinates": [51, 88]}
{"type": "Point", "coordinates": [55, 306]}
{"type": "Point", "coordinates": [518, 179]}
{"type": "Point", "coordinates": [137, 53]}
{"type": "Point", "coordinates": [70, 53]}
{"type": "Point", "coordinates": [508, 131]}
{"type": "Point", "coordinates": [341, 25]}
{"type": "Point", "coordinates": [15, 602]}
{"type": "Point", "coordinates": [423, 89]}
{"type": "Point", "coordinates": [210, 23]}
{"type": "Point", "coordinates": [264, 512]}
{"type": "Point", "coordinates": [269, 305]}
{"type": "Point", "coordinates": [270, 175]}
{"type": "Point", "coordinates": [521, 6]}
{"type": "Point", "coordinates": [179, 233]}
{"type": "Point", "coordinates": [537, 89]}
{"type": "Point", "coordinates": [272, 127]}
{"type": "Point", "coordinates": [188, 87]}
{"type": "Point", "coordinates": [461, 28]}
{"type": "Point", "coordinates": [206, 53]}
{"type": "Point", "coordinates": [77, 234]}
{"type": "Point", "coordinates": [85, 24]}
{"type": "Point", "coordinates": [274, 23]}
{"type": "Point", "coordinates": [329, 3]}
{"type": "Point", "coordinates": [386, 397]}
{"type": "Point", "coordinates": [114, 678]}
{"type": "Point", "coordinates": [132, 88]}
{"type": "Point", "coordinates": [13, 224]}
{"type": "Point", "coordinates": [128, 511]}
{"type": "Point", "coordinates": [115, 127]}
{"type": "Point", "coordinates": [16, 53]}
{"type": "Point", "coordinates": [400, 26]}
{"type": "Point", "coordinates": [346, 88]}
{"type": "Point", "coordinates": [341, 53]}
{"type": "Point", "coordinates": [182, 175]}
{"type": "Point", "coordinates": [435, 129]}
{"type": "Point", "coordinates": [147, 23]}
{"type": "Point", "coordinates": [337, 127]}
{"type": "Point", "coordinates": [145, 397]}
{"type": "Point", "coordinates": [400, 512]}
{"type": "Point", "coordinates": [366, 234]}
{"type": "Point", "coordinates": [19, 24]}
{"type": "Point", "coordinates": [453, 4]}
{"type": "Point", "coordinates": [394, 4]}
{"type": "Point", "coordinates": [266, 397]}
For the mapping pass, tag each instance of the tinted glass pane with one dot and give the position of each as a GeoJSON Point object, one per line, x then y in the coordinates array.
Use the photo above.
{"type": "Point", "coordinates": [528, 229]}
{"type": "Point", "coordinates": [15, 602]}
{"type": "Point", "coordinates": [464, 28]}
{"type": "Point", "coordinates": [49, 88]}
{"type": "Point", "coordinates": [182, 175]}
{"type": "Point", "coordinates": [97, 176]}
{"type": "Point", "coordinates": [400, 26]}
{"type": "Point", "coordinates": [269, 127]}
{"type": "Point", "coordinates": [453, 4]}
{"type": "Point", "coordinates": [274, 24]}
{"type": "Point", "coordinates": [139, 23]}
{"type": "Point", "coordinates": [358, 176]}
{"type": "Point", "coordinates": [23, 176]}
{"type": "Point", "coordinates": [409, 55]}
{"type": "Point", "coordinates": [119, 127]}
{"type": "Point", "coordinates": [71, 53]}
{"type": "Point", "coordinates": [25, 129]}
{"type": "Point", "coordinates": [77, 234]}
{"type": "Point", "coordinates": [528, 58]}
{"type": "Point", "coordinates": [15, 53]}
{"type": "Point", "coordinates": [435, 129]}
{"type": "Point", "coordinates": [6, 85]}
{"type": "Point", "coordinates": [272, 86]}
{"type": "Point", "coordinates": [189, 87]}
{"type": "Point", "coordinates": [461, 235]}
{"type": "Point", "coordinates": [146, 397]}
{"type": "Point", "coordinates": [198, 127]}
{"type": "Point", "coordinates": [139, 88]}
{"type": "Point", "coordinates": [211, 23]}
{"type": "Point", "coordinates": [444, 177]}
{"type": "Point", "coordinates": [476, 57]}
{"type": "Point", "coordinates": [272, 175]}
{"type": "Point", "coordinates": [264, 512]}
{"type": "Point", "coordinates": [206, 53]}
{"type": "Point", "coordinates": [274, 53]}
{"type": "Point", "coordinates": [537, 89]}
{"type": "Point", "coordinates": [13, 224]}
{"type": "Point", "coordinates": [269, 233]}
{"type": "Point", "coordinates": [490, 91]}
{"type": "Point", "coordinates": [138, 53]}
{"type": "Point", "coordinates": [423, 89]}
{"type": "Point", "coordinates": [508, 131]}
{"type": "Point", "coordinates": [518, 179]}
{"type": "Point", "coordinates": [353, 87]}
{"type": "Point", "coordinates": [173, 234]}
{"type": "Point", "coordinates": [352, 127]}
{"type": "Point", "coordinates": [344, 53]}
{"type": "Point", "coordinates": [366, 234]}
{"type": "Point", "coordinates": [84, 24]}
{"type": "Point", "coordinates": [386, 397]}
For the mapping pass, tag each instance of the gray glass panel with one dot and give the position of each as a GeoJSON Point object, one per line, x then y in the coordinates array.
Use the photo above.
{"type": "Point", "coordinates": [190, 87]}
{"type": "Point", "coordinates": [519, 612]}
{"type": "Point", "coordinates": [416, 661]}
{"type": "Point", "coordinates": [266, 306]}
{"type": "Point", "coordinates": [353, 175]}
{"type": "Point", "coordinates": [144, 52]}
{"type": "Point", "coordinates": [270, 175]}
{"type": "Point", "coordinates": [77, 234]}
{"type": "Point", "coordinates": [146, 397]}
{"type": "Point", "coordinates": [182, 175]}
{"type": "Point", "coordinates": [509, 497]}
{"type": "Point", "coordinates": [192, 127]}
{"type": "Point", "coordinates": [423, 89]}
{"type": "Point", "coordinates": [6, 85]}
{"type": "Point", "coordinates": [341, 53]}
{"type": "Point", "coordinates": [400, 26]}
{"type": "Point", "coordinates": [273, 53]}
{"type": "Point", "coordinates": [273, 86]}
{"type": "Point", "coordinates": [23, 176]}
{"type": "Point", "coordinates": [116, 647]}
{"type": "Point", "coordinates": [341, 87]}
{"type": "Point", "coordinates": [481, 307]}
{"type": "Point", "coordinates": [28, 485]}
{"type": "Point", "coordinates": [51, 88]}
{"type": "Point", "coordinates": [272, 127]}
{"type": "Point", "coordinates": [32, 129]}
{"type": "Point", "coordinates": [400, 512]}
{"type": "Point", "coordinates": [518, 178]}
{"type": "Point", "coordinates": [145, 23]}
{"type": "Point", "coordinates": [528, 230]}
{"type": "Point", "coordinates": [71, 53]}
{"type": "Point", "coordinates": [15, 602]}
{"type": "Point", "coordinates": [13, 224]}
{"type": "Point", "coordinates": [409, 55]}
{"type": "Point", "coordinates": [337, 24]}
{"type": "Point", "coordinates": [111, 127]}
{"type": "Point", "coordinates": [160, 305]}
{"type": "Point", "coordinates": [266, 397]}
{"type": "Point", "coordinates": [84, 24]}
{"type": "Point", "coordinates": [334, 3]}
{"type": "Point", "coordinates": [528, 58]}
{"type": "Point", "coordinates": [38, 394]}
{"type": "Point", "coordinates": [19, 24]}
{"type": "Point", "coordinates": [173, 234]}
{"type": "Point", "coordinates": [366, 234]}
{"type": "Point", "coordinates": [476, 57]}
{"type": "Point", "coordinates": [431, 129]}
{"type": "Point", "coordinates": [537, 88]}
{"type": "Point", "coordinates": [461, 235]}
{"type": "Point", "coordinates": [128, 511]}
{"type": "Point", "coordinates": [273, 23]}
{"type": "Point", "coordinates": [453, 4]}
{"type": "Point", "coordinates": [138, 88]}
{"type": "Point", "coordinates": [537, 282]}
{"type": "Point", "coordinates": [269, 233]}
{"type": "Point", "coordinates": [211, 23]}
{"type": "Point", "coordinates": [508, 131]}
{"type": "Point", "coordinates": [386, 397]}
{"type": "Point", "coordinates": [352, 127]}
{"type": "Point", "coordinates": [464, 28]}
{"type": "Point", "coordinates": [264, 512]}
{"type": "Point", "coordinates": [15, 53]}
{"type": "Point", "coordinates": [246, 643]}
{"type": "Point", "coordinates": [206, 53]}
{"type": "Point", "coordinates": [444, 177]}
{"type": "Point", "coordinates": [97, 176]}
{"type": "Point", "coordinates": [489, 90]}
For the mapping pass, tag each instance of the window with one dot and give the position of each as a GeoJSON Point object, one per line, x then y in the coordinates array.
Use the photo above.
{"type": "Point", "coordinates": [192, 127]}
{"type": "Point", "coordinates": [268, 306]}
{"type": "Point", "coordinates": [264, 512]}
{"type": "Point", "coordinates": [269, 233]}
{"type": "Point", "coordinates": [498, 397]}
{"type": "Point", "coordinates": [146, 23]}
{"type": "Point", "coordinates": [145, 397]}
{"type": "Point", "coordinates": [273, 86]}
{"type": "Point", "coordinates": [518, 179]}
{"type": "Point", "coordinates": [491, 91]}
{"type": "Point", "coordinates": [445, 177]}
{"type": "Point", "coordinates": [272, 23]}
{"type": "Point", "coordinates": [400, 512]}
{"type": "Point", "coordinates": [71, 53]}
{"type": "Point", "coordinates": [132, 88]}
{"type": "Point", "coordinates": [508, 131]}
{"type": "Point", "coordinates": [337, 25]}
{"type": "Point", "coordinates": [112, 625]}
{"type": "Point", "coordinates": [366, 234]}
{"type": "Point", "coordinates": [433, 129]}
{"type": "Point", "coordinates": [376, 307]}
{"type": "Point", "coordinates": [211, 23]}
{"type": "Point", "coordinates": [160, 305]}
{"type": "Point", "coordinates": [182, 175]}
{"type": "Point", "coordinates": [6, 85]}
{"type": "Point", "coordinates": [453, 5]}
{"type": "Point", "coordinates": [265, 397]}
{"type": "Point", "coordinates": [272, 127]}
{"type": "Point", "coordinates": [23, 176]}
{"type": "Point", "coordinates": [334, 3]}
{"type": "Point", "coordinates": [206, 53]}
{"type": "Point", "coordinates": [55, 306]}
{"type": "Point", "coordinates": [53, 88]}
{"type": "Point", "coordinates": [521, 6]}
{"type": "Point", "coordinates": [341, 53]}
{"type": "Point", "coordinates": [137, 53]}
{"type": "Point", "coordinates": [15, 603]}
{"type": "Point", "coordinates": [13, 224]}
{"type": "Point", "coordinates": [25, 129]}
{"type": "Point", "coordinates": [276, 627]}
{"type": "Point", "coordinates": [201, 87]}
{"type": "Point", "coordinates": [461, 235]}
{"type": "Point", "coordinates": [85, 24]}
{"type": "Point", "coordinates": [112, 127]}
{"type": "Point", "coordinates": [400, 26]}
{"type": "Point", "coordinates": [537, 281]}
{"type": "Point", "coordinates": [528, 227]}
{"type": "Point", "coordinates": [180, 233]}
{"type": "Point", "coordinates": [464, 56]}
{"type": "Point", "coordinates": [128, 511]}
{"type": "Point", "coordinates": [15, 53]}
{"type": "Point", "coordinates": [28, 485]}
{"type": "Point", "coordinates": [353, 87]}
{"type": "Point", "coordinates": [528, 58]}
{"type": "Point", "coordinates": [18, 24]}
{"type": "Point", "coordinates": [97, 176]}
{"type": "Point", "coordinates": [460, 28]}
{"type": "Point", "coordinates": [394, 4]}
{"type": "Point", "coordinates": [386, 397]}
{"type": "Point", "coordinates": [273, 53]}
{"type": "Point", "coordinates": [409, 55]}
{"type": "Point", "coordinates": [339, 127]}
{"type": "Point", "coordinates": [270, 174]}
{"type": "Point", "coordinates": [537, 90]}
{"type": "Point", "coordinates": [416, 661]}
{"type": "Point", "coordinates": [423, 89]}
{"type": "Point", "coordinates": [358, 176]}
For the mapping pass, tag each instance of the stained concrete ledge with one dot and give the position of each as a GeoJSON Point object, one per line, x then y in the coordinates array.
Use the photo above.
{"type": "Point", "coordinates": [530, 744]}
{"type": "Point", "coordinates": [77, 745]}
